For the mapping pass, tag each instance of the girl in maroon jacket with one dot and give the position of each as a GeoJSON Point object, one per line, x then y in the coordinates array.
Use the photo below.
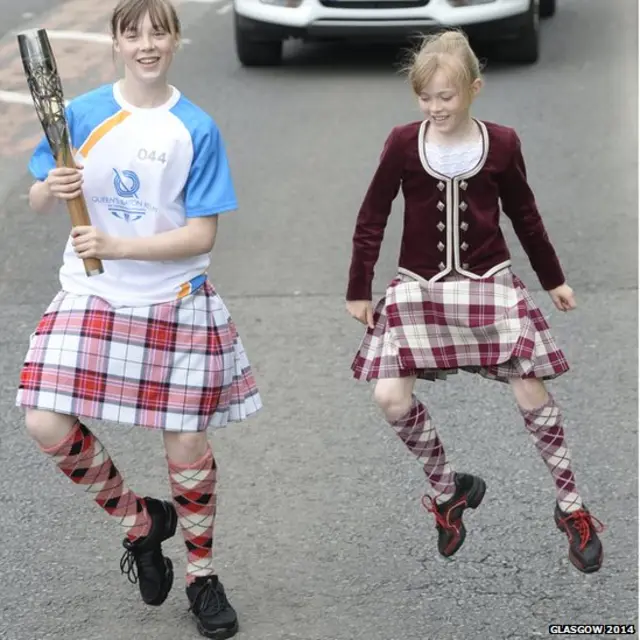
{"type": "Point", "coordinates": [455, 303]}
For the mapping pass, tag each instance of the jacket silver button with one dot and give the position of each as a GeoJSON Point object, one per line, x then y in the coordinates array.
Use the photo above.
{"type": "Point", "coordinates": [464, 246]}
{"type": "Point", "coordinates": [441, 185]}
{"type": "Point", "coordinates": [464, 226]}
{"type": "Point", "coordinates": [463, 206]}
{"type": "Point", "coordinates": [440, 205]}
{"type": "Point", "coordinates": [440, 226]}
{"type": "Point", "coordinates": [441, 266]}
{"type": "Point", "coordinates": [463, 185]}
{"type": "Point", "coordinates": [440, 246]}
{"type": "Point", "coordinates": [465, 265]}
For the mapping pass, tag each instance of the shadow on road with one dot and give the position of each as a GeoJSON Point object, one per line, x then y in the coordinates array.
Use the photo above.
{"type": "Point", "coordinates": [362, 57]}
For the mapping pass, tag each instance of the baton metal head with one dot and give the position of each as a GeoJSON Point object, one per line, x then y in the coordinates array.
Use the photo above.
{"type": "Point", "coordinates": [45, 86]}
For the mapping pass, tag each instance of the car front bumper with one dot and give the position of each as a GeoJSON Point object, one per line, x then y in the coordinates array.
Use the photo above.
{"type": "Point", "coordinates": [382, 30]}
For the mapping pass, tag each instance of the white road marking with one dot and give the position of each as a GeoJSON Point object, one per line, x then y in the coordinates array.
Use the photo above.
{"type": "Point", "coordinates": [87, 36]}
{"type": "Point", "coordinates": [15, 97]}
{"type": "Point", "coordinates": [84, 36]}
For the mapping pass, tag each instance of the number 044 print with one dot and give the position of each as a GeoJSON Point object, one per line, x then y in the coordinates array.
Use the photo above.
{"type": "Point", "coordinates": [152, 155]}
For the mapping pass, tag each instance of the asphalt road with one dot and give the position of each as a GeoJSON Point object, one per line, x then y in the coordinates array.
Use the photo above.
{"type": "Point", "coordinates": [15, 14]}
{"type": "Point", "coordinates": [320, 532]}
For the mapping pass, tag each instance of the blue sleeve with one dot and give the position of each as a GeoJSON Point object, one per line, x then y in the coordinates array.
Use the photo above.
{"type": "Point", "coordinates": [42, 160]}
{"type": "Point", "coordinates": [209, 189]}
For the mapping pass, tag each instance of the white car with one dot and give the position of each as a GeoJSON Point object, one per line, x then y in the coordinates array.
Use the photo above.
{"type": "Point", "coordinates": [261, 26]}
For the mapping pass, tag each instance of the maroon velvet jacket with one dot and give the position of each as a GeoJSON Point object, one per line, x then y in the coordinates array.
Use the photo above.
{"type": "Point", "coordinates": [451, 224]}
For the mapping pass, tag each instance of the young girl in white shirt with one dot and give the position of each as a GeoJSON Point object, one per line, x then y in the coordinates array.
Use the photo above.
{"type": "Point", "coordinates": [148, 342]}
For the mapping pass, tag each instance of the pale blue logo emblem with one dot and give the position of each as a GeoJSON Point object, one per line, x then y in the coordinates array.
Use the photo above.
{"type": "Point", "coordinates": [127, 206]}
{"type": "Point", "coordinates": [121, 189]}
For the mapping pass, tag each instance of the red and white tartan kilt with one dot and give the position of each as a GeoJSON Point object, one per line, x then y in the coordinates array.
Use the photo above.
{"type": "Point", "coordinates": [177, 366]}
{"type": "Point", "coordinates": [490, 326]}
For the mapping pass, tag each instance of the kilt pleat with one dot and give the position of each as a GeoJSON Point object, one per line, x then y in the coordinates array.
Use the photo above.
{"type": "Point", "coordinates": [491, 327]}
{"type": "Point", "coordinates": [176, 366]}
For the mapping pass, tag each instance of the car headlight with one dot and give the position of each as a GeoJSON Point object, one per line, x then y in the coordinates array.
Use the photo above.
{"type": "Point", "coordinates": [292, 4]}
{"type": "Point", "coordinates": [468, 3]}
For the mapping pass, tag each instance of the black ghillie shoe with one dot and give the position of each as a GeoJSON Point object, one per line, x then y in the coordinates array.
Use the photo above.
{"type": "Point", "coordinates": [215, 617]}
{"type": "Point", "coordinates": [469, 493]}
{"type": "Point", "coordinates": [585, 548]}
{"type": "Point", "coordinates": [143, 561]}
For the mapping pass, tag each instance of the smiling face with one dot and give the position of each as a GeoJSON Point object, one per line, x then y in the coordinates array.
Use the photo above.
{"type": "Point", "coordinates": [147, 50]}
{"type": "Point", "coordinates": [145, 35]}
{"type": "Point", "coordinates": [445, 102]}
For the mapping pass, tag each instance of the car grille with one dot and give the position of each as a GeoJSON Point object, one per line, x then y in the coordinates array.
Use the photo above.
{"type": "Point", "coordinates": [373, 4]}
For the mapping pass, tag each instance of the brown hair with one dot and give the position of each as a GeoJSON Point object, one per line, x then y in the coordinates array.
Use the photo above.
{"type": "Point", "coordinates": [449, 50]}
{"type": "Point", "coordinates": [128, 14]}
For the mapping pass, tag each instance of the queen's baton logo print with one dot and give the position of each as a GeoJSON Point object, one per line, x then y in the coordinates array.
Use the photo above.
{"type": "Point", "coordinates": [126, 192]}
{"type": "Point", "coordinates": [129, 208]}
{"type": "Point", "coordinates": [126, 205]}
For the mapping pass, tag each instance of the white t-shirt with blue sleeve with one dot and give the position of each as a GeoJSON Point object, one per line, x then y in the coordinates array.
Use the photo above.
{"type": "Point", "coordinates": [146, 171]}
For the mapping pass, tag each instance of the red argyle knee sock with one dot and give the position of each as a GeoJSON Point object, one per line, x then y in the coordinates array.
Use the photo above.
{"type": "Point", "coordinates": [194, 494]}
{"type": "Point", "coordinates": [83, 459]}
{"type": "Point", "coordinates": [420, 437]}
{"type": "Point", "coordinates": [545, 426]}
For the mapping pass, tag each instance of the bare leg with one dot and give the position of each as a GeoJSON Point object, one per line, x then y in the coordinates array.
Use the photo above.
{"type": "Point", "coordinates": [48, 428]}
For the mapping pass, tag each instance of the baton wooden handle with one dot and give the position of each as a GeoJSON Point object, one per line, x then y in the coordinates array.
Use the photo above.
{"type": "Point", "coordinates": [79, 215]}
{"type": "Point", "coordinates": [80, 218]}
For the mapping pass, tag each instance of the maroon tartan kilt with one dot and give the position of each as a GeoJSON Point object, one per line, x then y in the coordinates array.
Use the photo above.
{"type": "Point", "coordinates": [491, 327]}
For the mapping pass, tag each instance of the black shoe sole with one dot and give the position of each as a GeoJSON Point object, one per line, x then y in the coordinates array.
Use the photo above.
{"type": "Point", "coordinates": [475, 497]}
{"type": "Point", "coordinates": [167, 585]}
{"type": "Point", "coordinates": [173, 524]}
{"type": "Point", "coordinates": [170, 526]}
{"type": "Point", "coordinates": [587, 568]}
{"type": "Point", "coordinates": [218, 634]}
{"type": "Point", "coordinates": [171, 521]}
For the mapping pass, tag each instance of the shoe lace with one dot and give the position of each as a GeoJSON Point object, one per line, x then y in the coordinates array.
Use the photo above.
{"type": "Point", "coordinates": [134, 561]}
{"type": "Point", "coordinates": [429, 503]}
{"type": "Point", "coordinates": [208, 596]}
{"type": "Point", "coordinates": [582, 522]}
{"type": "Point", "coordinates": [128, 564]}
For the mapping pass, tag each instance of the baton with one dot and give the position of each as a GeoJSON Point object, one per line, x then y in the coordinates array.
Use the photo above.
{"type": "Point", "coordinates": [45, 86]}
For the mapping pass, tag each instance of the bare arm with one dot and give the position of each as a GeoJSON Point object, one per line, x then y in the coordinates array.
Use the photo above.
{"type": "Point", "coordinates": [194, 239]}
{"type": "Point", "coordinates": [62, 183]}
{"type": "Point", "coordinates": [41, 200]}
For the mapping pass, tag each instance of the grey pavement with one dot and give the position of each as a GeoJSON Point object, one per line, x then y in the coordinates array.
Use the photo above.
{"type": "Point", "coordinates": [320, 532]}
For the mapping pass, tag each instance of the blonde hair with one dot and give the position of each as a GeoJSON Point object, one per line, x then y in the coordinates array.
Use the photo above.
{"type": "Point", "coordinates": [128, 14]}
{"type": "Point", "coordinates": [449, 51]}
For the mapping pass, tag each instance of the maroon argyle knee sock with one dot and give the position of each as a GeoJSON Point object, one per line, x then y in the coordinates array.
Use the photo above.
{"type": "Point", "coordinates": [83, 459]}
{"type": "Point", "coordinates": [545, 426]}
{"type": "Point", "coordinates": [419, 435]}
